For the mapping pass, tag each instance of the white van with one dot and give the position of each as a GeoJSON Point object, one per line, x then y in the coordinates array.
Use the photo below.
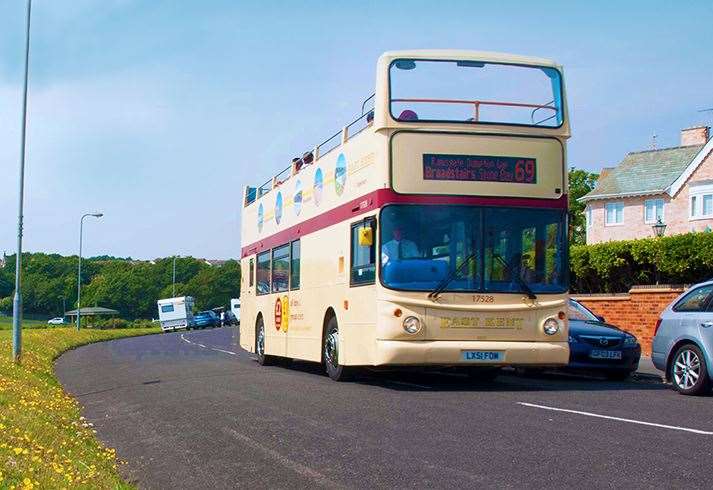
{"type": "Point", "coordinates": [175, 313]}
{"type": "Point", "coordinates": [235, 308]}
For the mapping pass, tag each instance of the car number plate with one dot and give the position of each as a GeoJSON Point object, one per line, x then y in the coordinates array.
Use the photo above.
{"type": "Point", "coordinates": [605, 354]}
{"type": "Point", "coordinates": [482, 356]}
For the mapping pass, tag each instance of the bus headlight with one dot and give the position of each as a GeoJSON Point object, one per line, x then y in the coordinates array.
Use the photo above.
{"type": "Point", "coordinates": [551, 326]}
{"type": "Point", "coordinates": [411, 324]}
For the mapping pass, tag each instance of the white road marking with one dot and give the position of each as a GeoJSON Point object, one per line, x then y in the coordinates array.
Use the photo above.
{"type": "Point", "coordinates": [609, 417]}
{"type": "Point", "coordinates": [206, 347]}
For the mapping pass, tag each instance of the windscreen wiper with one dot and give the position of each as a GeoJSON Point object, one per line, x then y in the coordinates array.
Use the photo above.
{"type": "Point", "coordinates": [525, 288]}
{"type": "Point", "coordinates": [449, 278]}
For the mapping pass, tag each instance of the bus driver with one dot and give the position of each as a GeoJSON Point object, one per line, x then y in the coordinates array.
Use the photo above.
{"type": "Point", "coordinates": [398, 247]}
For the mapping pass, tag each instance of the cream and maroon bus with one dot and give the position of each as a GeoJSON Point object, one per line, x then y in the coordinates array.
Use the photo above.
{"type": "Point", "coordinates": [430, 231]}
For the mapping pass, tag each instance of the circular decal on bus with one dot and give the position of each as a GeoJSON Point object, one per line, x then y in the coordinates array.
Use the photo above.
{"type": "Point", "coordinates": [318, 186]}
{"type": "Point", "coordinates": [278, 314]}
{"type": "Point", "coordinates": [281, 313]}
{"type": "Point", "coordinates": [340, 174]}
{"type": "Point", "coordinates": [278, 208]}
{"type": "Point", "coordinates": [297, 198]}
{"type": "Point", "coordinates": [260, 217]}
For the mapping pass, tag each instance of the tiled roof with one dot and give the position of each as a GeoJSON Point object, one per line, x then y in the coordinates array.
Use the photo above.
{"type": "Point", "coordinates": [644, 172]}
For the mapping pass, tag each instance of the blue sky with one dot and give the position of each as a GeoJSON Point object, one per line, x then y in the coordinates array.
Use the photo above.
{"type": "Point", "coordinates": [157, 112]}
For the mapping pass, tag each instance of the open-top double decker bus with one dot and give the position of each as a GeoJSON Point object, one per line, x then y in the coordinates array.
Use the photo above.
{"type": "Point", "coordinates": [431, 231]}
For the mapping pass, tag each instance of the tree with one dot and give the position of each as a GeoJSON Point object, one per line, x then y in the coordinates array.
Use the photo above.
{"type": "Point", "coordinates": [580, 183]}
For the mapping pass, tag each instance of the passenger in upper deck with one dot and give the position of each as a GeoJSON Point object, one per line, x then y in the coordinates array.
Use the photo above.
{"type": "Point", "coordinates": [398, 247]}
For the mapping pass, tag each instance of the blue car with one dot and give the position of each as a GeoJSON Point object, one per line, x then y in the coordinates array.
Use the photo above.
{"type": "Point", "coordinates": [206, 319]}
{"type": "Point", "coordinates": [596, 346]}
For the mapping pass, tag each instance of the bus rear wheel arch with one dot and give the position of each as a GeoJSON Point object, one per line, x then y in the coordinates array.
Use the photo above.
{"type": "Point", "coordinates": [330, 350]}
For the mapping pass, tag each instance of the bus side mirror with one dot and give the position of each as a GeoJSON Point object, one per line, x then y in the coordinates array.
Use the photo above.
{"type": "Point", "coordinates": [366, 236]}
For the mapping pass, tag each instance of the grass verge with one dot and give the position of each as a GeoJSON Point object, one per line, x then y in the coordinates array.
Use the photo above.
{"type": "Point", "coordinates": [44, 442]}
{"type": "Point", "coordinates": [6, 323]}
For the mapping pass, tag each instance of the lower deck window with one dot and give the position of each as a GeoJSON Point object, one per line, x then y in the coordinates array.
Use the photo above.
{"type": "Point", "coordinates": [263, 273]}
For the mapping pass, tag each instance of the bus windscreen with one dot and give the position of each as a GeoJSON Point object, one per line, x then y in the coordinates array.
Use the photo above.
{"type": "Point", "coordinates": [475, 92]}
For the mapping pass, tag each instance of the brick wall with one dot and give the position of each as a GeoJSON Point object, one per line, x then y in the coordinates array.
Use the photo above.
{"type": "Point", "coordinates": [636, 311]}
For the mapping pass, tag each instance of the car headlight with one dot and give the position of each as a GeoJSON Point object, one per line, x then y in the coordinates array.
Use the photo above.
{"type": "Point", "coordinates": [411, 324]}
{"type": "Point", "coordinates": [551, 326]}
{"type": "Point", "coordinates": [630, 340]}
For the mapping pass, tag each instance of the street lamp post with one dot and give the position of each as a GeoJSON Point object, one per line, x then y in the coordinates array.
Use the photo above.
{"type": "Point", "coordinates": [174, 276]}
{"type": "Point", "coordinates": [79, 267]}
{"type": "Point", "coordinates": [17, 299]}
{"type": "Point", "coordinates": [659, 229]}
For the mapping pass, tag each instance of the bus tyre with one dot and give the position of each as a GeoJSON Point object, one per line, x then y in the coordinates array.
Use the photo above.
{"type": "Point", "coordinates": [262, 358]}
{"type": "Point", "coordinates": [688, 371]}
{"type": "Point", "coordinates": [330, 353]}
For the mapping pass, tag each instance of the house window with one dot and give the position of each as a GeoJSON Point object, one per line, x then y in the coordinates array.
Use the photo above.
{"type": "Point", "coordinates": [653, 210]}
{"type": "Point", "coordinates": [701, 202]}
{"type": "Point", "coordinates": [588, 216]}
{"type": "Point", "coordinates": [615, 213]}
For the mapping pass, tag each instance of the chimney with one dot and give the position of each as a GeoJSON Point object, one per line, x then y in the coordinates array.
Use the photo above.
{"type": "Point", "coordinates": [697, 135]}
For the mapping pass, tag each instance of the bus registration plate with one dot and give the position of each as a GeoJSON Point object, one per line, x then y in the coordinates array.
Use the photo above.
{"type": "Point", "coordinates": [481, 356]}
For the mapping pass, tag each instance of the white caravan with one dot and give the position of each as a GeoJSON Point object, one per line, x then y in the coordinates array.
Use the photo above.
{"type": "Point", "coordinates": [175, 313]}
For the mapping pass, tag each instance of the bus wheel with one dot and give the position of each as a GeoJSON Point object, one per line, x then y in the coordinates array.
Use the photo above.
{"type": "Point", "coordinates": [262, 358]}
{"type": "Point", "coordinates": [330, 353]}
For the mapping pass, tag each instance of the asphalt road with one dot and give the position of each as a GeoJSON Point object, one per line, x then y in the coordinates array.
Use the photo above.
{"type": "Point", "coordinates": [192, 410]}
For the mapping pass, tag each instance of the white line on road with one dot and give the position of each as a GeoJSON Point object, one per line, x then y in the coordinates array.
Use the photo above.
{"type": "Point", "coordinates": [205, 347]}
{"type": "Point", "coordinates": [609, 417]}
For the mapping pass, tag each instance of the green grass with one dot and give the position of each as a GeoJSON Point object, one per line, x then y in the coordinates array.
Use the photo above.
{"type": "Point", "coordinates": [6, 323]}
{"type": "Point", "coordinates": [44, 442]}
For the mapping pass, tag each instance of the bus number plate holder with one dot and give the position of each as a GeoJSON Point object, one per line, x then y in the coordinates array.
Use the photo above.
{"type": "Point", "coordinates": [482, 356]}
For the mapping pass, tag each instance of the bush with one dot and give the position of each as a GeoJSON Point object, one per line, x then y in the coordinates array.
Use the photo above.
{"type": "Point", "coordinates": [614, 267]}
{"type": "Point", "coordinates": [110, 323]}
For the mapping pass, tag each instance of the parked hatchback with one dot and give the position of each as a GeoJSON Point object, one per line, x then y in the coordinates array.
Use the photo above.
{"type": "Point", "coordinates": [683, 341]}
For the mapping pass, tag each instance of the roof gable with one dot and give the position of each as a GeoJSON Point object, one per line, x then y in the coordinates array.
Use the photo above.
{"type": "Point", "coordinates": [645, 172]}
{"type": "Point", "coordinates": [686, 174]}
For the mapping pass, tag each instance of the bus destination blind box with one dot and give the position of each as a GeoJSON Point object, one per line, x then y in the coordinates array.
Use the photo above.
{"type": "Point", "coordinates": [479, 168]}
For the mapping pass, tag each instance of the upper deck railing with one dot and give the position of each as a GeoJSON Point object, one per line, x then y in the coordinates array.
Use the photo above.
{"type": "Point", "coordinates": [335, 141]}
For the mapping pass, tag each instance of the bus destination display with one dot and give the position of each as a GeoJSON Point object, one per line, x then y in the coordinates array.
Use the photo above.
{"type": "Point", "coordinates": [479, 168]}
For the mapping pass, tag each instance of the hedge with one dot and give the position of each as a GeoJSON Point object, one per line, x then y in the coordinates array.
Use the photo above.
{"type": "Point", "coordinates": [613, 267]}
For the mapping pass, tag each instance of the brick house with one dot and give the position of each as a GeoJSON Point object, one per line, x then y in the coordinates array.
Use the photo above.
{"type": "Point", "coordinates": [674, 185]}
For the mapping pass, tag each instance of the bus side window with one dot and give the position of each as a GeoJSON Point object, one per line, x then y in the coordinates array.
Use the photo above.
{"type": "Point", "coordinates": [280, 268]}
{"type": "Point", "coordinates": [295, 265]}
{"type": "Point", "coordinates": [251, 272]}
{"type": "Point", "coordinates": [363, 256]}
{"type": "Point", "coordinates": [263, 273]}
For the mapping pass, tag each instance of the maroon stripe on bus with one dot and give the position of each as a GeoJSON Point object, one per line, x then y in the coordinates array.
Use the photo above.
{"type": "Point", "coordinates": [381, 197]}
